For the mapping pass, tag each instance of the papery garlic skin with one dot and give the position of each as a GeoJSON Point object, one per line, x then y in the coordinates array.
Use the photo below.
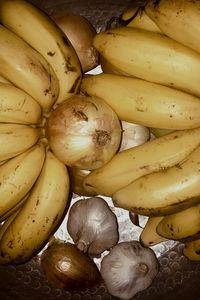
{"type": "Point", "coordinates": [93, 226]}
{"type": "Point", "coordinates": [128, 268]}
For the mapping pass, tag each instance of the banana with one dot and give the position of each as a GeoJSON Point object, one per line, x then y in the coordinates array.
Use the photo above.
{"type": "Point", "coordinates": [192, 250]}
{"type": "Point", "coordinates": [183, 225]}
{"type": "Point", "coordinates": [27, 69]}
{"type": "Point", "coordinates": [39, 31]}
{"type": "Point", "coordinates": [145, 103]}
{"type": "Point", "coordinates": [178, 19]}
{"type": "Point", "coordinates": [7, 222]}
{"type": "Point", "coordinates": [39, 216]}
{"type": "Point", "coordinates": [4, 80]}
{"type": "Point", "coordinates": [163, 192]}
{"type": "Point", "coordinates": [149, 237]}
{"type": "Point", "coordinates": [13, 210]}
{"type": "Point", "coordinates": [137, 18]}
{"type": "Point", "coordinates": [16, 106]}
{"type": "Point", "coordinates": [16, 138]}
{"type": "Point", "coordinates": [17, 176]}
{"type": "Point", "coordinates": [151, 56]}
{"type": "Point", "coordinates": [128, 165]}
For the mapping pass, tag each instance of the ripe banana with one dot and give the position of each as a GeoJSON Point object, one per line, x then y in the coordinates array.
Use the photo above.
{"type": "Point", "coordinates": [16, 106]}
{"type": "Point", "coordinates": [177, 19]}
{"type": "Point", "coordinates": [192, 250]}
{"type": "Point", "coordinates": [149, 237]}
{"type": "Point", "coordinates": [183, 225]}
{"type": "Point", "coordinates": [163, 192]}
{"type": "Point", "coordinates": [27, 69]}
{"type": "Point", "coordinates": [128, 165]}
{"type": "Point", "coordinates": [7, 222]}
{"type": "Point", "coordinates": [39, 31]}
{"type": "Point", "coordinates": [137, 18]}
{"type": "Point", "coordinates": [16, 138]}
{"type": "Point", "coordinates": [18, 175]}
{"type": "Point", "coordinates": [39, 216]}
{"type": "Point", "coordinates": [145, 103]}
{"type": "Point", "coordinates": [151, 56]}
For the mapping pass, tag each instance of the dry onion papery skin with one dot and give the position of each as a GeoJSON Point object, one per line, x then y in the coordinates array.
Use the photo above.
{"type": "Point", "coordinates": [76, 181]}
{"type": "Point", "coordinates": [80, 32]}
{"type": "Point", "coordinates": [65, 267]}
{"type": "Point", "coordinates": [84, 132]}
{"type": "Point", "coordinates": [93, 226]}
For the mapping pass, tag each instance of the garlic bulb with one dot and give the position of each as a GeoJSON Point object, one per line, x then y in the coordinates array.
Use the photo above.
{"type": "Point", "coordinates": [128, 268]}
{"type": "Point", "coordinates": [92, 225]}
{"type": "Point", "coordinates": [133, 135]}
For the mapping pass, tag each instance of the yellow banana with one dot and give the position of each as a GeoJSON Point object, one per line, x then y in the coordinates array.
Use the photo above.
{"type": "Point", "coordinates": [178, 19]}
{"type": "Point", "coordinates": [163, 192]}
{"type": "Point", "coordinates": [7, 222]}
{"type": "Point", "coordinates": [16, 106]}
{"type": "Point", "coordinates": [137, 18]}
{"type": "Point", "coordinates": [183, 225]}
{"type": "Point", "coordinates": [38, 30]}
{"type": "Point", "coordinates": [16, 138]}
{"type": "Point", "coordinates": [128, 165]}
{"type": "Point", "coordinates": [149, 237]}
{"type": "Point", "coordinates": [192, 250]}
{"type": "Point", "coordinates": [151, 56]}
{"type": "Point", "coordinates": [39, 216]}
{"type": "Point", "coordinates": [27, 69]}
{"type": "Point", "coordinates": [145, 103]}
{"type": "Point", "coordinates": [13, 210]}
{"type": "Point", "coordinates": [18, 175]}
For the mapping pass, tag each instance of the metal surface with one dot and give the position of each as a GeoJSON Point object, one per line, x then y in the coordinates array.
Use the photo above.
{"type": "Point", "coordinates": [178, 277]}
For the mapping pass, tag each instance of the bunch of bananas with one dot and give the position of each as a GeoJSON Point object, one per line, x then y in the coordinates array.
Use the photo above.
{"type": "Point", "coordinates": [39, 70]}
{"type": "Point", "coordinates": [151, 76]}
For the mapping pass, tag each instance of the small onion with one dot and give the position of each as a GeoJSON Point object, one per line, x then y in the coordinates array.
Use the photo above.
{"type": "Point", "coordinates": [65, 267]}
{"type": "Point", "coordinates": [76, 181]}
{"type": "Point", "coordinates": [80, 32]}
{"type": "Point", "coordinates": [84, 132]}
{"type": "Point", "coordinates": [92, 226]}
{"type": "Point", "coordinates": [128, 268]}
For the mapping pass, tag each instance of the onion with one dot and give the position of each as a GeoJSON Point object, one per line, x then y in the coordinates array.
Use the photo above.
{"type": "Point", "coordinates": [80, 32]}
{"type": "Point", "coordinates": [92, 226]}
{"type": "Point", "coordinates": [128, 268]}
{"type": "Point", "coordinates": [84, 132]}
{"type": "Point", "coordinates": [76, 181]}
{"type": "Point", "coordinates": [67, 268]}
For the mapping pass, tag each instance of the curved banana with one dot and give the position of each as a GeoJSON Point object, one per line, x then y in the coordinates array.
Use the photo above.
{"type": "Point", "coordinates": [145, 103]}
{"type": "Point", "coordinates": [192, 250]}
{"type": "Point", "coordinates": [149, 237]}
{"type": "Point", "coordinates": [183, 225]}
{"type": "Point", "coordinates": [16, 138]}
{"type": "Point", "coordinates": [18, 175]}
{"type": "Point", "coordinates": [128, 165]}
{"type": "Point", "coordinates": [16, 106]}
{"type": "Point", "coordinates": [39, 31]}
{"type": "Point", "coordinates": [137, 18]}
{"type": "Point", "coordinates": [27, 69]}
{"type": "Point", "coordinates": [7, 222]}
{"type": "Point", "coordinates": [163, 192]}
{"type": "Point", "coordinates": [177, 19]}
{"type": "Point", "coordinates": [39, 216]}
{"type": "Point", "coordinates": [151, 56]}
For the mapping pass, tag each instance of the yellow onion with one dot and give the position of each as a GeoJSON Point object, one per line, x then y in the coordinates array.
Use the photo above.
{"type": "Point", "coordinates": [80, 32]}
{"type": "Point", "coordinates": [84, 132]}
{"type": "Point", "coordinates": [76, 181]}
{"type": "Point", "coordinates": [65, 267]}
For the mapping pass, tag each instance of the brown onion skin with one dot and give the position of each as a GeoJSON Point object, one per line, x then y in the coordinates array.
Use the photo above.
{"type": "Point", "coordinates": [91, 125]}
{"type": "Point", "coordinates": [80, 32]}
{"type": "Point", "coordinates": [79, 271]}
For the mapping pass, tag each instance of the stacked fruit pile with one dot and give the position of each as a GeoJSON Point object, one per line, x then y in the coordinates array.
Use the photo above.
{"type": "Point", "coordinates": [63, 131]}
